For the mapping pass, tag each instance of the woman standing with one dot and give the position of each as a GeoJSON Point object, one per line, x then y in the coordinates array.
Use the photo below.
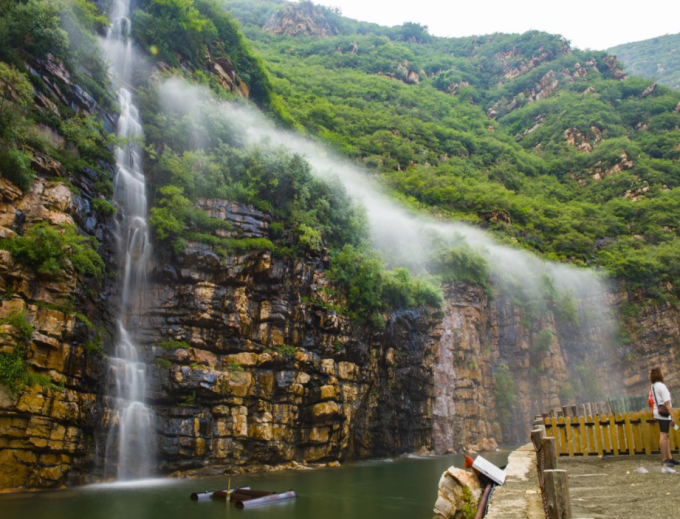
{"type": "Point", "coordinates": [663, 412]}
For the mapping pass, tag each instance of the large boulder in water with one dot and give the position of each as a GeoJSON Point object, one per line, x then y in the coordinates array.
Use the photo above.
{"type": "Point", "coordinates": [451, 497]}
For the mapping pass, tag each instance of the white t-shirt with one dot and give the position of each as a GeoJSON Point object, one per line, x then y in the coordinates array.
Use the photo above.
{"type": "Point", "coordinates": [661, 396]}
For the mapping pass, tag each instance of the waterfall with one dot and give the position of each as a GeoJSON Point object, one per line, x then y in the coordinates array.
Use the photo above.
{"type": "Point", "coordinates": [133, 438]}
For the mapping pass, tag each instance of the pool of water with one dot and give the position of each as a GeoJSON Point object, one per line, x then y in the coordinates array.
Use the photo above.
{"type": "Point", "coordinates": [400, 488]}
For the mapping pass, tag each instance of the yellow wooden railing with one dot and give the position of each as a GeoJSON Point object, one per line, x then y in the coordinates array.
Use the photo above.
{"type": "Point", "coordinates": [625, 434]}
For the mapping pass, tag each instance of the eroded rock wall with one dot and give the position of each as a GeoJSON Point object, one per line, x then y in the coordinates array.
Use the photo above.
{"type": "Point", "coordinates": [551, 362]}
{"type": "Point", "coordinates": [270, 373]}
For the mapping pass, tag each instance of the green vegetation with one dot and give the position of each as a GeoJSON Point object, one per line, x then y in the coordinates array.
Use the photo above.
{"type": "Point", "coordinates": [47, 250]}
{"type": "Point", "coordinates": [504, 394]}
{"type": "Point", "coordinates": [233, 366]}
{"type": "Point", "coordinates": [657, 59]}
{"type": "Point", "coordinates": [14, 370]}
{"type": "Point", "coordinates": [61, 32]}
{"type": "Point", "coordinates": [372, 289]}
{"type": "Point", "coordinates": [286, 350]}
{"type": "Point", "coordinates": [97, 334]}
{"type": "Point", "coordinates": [590, 381]}
{"type": "Point", "coordinates": [192, 28]}
{"type": "Point", "coordinates": [469, 508]}
{"type": "Point", "coordinates": [584, 170]}
{"type": "Point", "coordinates": [163, 363]}
{"type": "Point", "coordinates": [543, 341]}
{"type": "Point", "coordinates": [173, 345]}
{"type": "Point", "coordinates": [103, 207]}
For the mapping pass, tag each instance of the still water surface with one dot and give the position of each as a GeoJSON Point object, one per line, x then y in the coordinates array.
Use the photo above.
{"type": "Point", "coordinates": [403, 488]}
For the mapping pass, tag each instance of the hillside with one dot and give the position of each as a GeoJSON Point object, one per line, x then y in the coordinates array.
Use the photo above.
{"type": "Point", "coordinates": [551, 148]}
{"type": "Point", "coordinates": [657, 59]}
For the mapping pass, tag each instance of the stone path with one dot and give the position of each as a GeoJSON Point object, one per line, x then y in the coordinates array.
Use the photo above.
{"type": "Point", "coordinates": [520, 497]}
{"type": "Point", "coordinates": [611, 488]}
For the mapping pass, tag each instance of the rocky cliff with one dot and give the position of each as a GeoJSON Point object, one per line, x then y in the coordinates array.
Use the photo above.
{"type": "Point", "coordinates": [251, 367]}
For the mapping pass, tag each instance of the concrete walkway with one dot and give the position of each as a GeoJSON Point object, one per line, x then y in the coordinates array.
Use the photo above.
{"type": "Point", "coordinates": [612, 488]}
{"type": "Point", "coordinates": [520, 497]}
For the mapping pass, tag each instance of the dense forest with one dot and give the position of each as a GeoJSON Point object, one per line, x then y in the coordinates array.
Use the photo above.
{"type": "Point", "coordinates": [553, 149]}
{"type": "Point", "coordinates": [657, 59]}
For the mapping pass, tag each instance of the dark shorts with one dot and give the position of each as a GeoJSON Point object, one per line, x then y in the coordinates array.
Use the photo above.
{"type": "Point", "coordinates": [664, 425]}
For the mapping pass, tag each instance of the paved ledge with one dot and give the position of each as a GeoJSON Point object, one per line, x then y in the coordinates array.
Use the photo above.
{"type": "Point", "coordinates": [520, 497]}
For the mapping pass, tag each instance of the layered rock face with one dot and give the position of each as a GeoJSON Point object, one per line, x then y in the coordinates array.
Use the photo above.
{"type": "Point", "coordinates": [550, 363]}
{"type": "Point", "coordinates": [46, 434]}
{"type": "Point", "coordinates": [269, 373]}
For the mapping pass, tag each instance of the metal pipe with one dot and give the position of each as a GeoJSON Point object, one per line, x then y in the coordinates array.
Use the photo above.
{"type": "Point", "coordinates": [482, 502]}
{"type": "Point", "coordinates": [266, 500]}
{"type": "Point", "coordinates": [246, 492]}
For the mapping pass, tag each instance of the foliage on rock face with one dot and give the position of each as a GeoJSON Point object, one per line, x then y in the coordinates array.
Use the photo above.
{"type": "Point", "coordinates": [372, 289]}
{"type": "Point", "coordinates": [319, 213]}
{"type": "Point", "coordinates": [59, 33]}
{"type": "Point", "coordinates": [48, 251]}
{"type": "Point", "coordinates": [14, 370]}
{"type": "Point", "coordinates": [190, 28]}
{"type": "Point", "coordinates": [549, 147]}
{"type": "Point", "coordinates": [504, 394]}
{"type": "Point", "coordinates": [657, 59]}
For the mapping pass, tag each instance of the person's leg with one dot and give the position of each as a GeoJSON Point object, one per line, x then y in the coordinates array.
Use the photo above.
{"type": "Point", "coordinates": [664, 447]}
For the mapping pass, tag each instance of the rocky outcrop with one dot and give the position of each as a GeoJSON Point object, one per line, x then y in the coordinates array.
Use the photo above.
{"type": "Point", "coordinates": [269, 373]}
{"type": "Point", "coordinates": [46, 429]}
{"type": "Point", "coordinates": [545, 358]}
{"type": "Point", "coordinates": [303, 19]}
{"type": "Point", "coordinates": [454, 484]}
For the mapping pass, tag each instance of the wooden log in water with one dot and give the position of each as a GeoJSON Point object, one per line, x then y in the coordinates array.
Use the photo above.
{"type": "Point", "coordinates": [558, 502]}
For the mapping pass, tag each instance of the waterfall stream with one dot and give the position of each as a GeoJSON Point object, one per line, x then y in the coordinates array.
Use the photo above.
{"type": "Point", "coordinates": [132, 441]}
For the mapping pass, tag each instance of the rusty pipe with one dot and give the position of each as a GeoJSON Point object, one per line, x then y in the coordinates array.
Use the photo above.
{"type": "Point", "coordinates": [482, 502]}
{"type": "Point", "coordinates": [266, 500]}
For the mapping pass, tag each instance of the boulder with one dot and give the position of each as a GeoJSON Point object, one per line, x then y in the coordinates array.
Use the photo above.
{"type": "Point", "coordinates": [451, 491]}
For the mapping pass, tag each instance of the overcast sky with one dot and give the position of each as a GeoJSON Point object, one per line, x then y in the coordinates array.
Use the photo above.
{"type": "Point", "coordinates": [595, 24]}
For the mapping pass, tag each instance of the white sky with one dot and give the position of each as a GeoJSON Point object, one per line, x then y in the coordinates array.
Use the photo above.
{"type": "Point", "coordinates": [595, 24]}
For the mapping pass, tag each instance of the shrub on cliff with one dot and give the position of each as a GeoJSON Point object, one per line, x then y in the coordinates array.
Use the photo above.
{"type": "Point", "coordinates": [504, 394]}
{"type": "Point", "coordinates": [371, 289]}
{"type": "Point", "coordinates": [47, 249]}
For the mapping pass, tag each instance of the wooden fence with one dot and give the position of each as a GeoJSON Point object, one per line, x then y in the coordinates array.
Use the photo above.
{"type": "Point", "coordinates": [608, 434]}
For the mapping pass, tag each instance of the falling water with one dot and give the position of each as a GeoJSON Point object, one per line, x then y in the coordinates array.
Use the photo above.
{"type": "Point", "coordinates": [133, 439]}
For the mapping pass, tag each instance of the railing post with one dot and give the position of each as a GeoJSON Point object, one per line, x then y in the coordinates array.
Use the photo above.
{"type": "Point", "coordinates": [549, 447]}
{"type": "Point", "coordinates": [537, 436]}
{"type": "Point", "coordinates": [557, 494]}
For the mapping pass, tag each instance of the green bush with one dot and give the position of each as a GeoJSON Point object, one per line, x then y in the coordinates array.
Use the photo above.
{"type": "Point", "coordinates": [18, 321]}
{"type": "Point", "coordinates": [371, 289]}
{"type": "Point", "coordinates": [103, 207]}
{"type": "Point", "coordinates": [46, 250]}
{"type": "Point", "coordinates": [543, 341]}
{"type": "Point", "coordinates": [504, 394]}
{"type": "Point", "coordinates": [163, 363]}
{"type": "Point", "coordinates": [287, 350]}
{"type": "Point", "coordinates": [14, 370]}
